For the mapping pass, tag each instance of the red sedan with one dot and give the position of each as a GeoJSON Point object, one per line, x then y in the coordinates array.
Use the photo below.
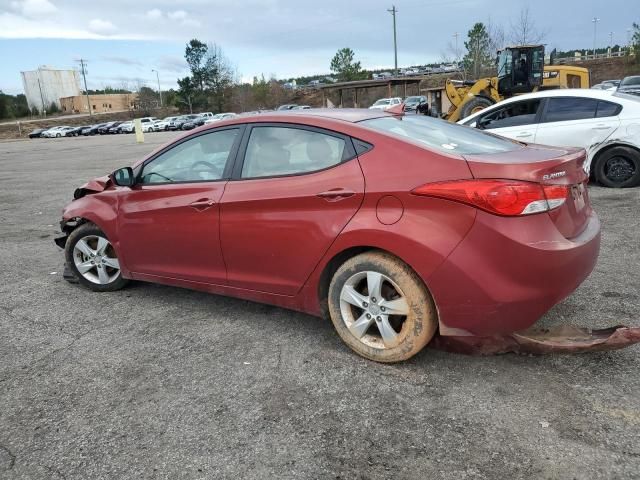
{"type": "Point", "coordinates": [396, 227]}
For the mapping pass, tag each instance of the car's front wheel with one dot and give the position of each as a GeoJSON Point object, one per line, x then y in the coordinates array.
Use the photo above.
{"type": "Point", "coordinates": [381, 308]}
{"type": "Point", "coordinates": [92, 259]}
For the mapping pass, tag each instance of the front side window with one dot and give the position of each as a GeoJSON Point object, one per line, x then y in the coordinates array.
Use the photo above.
{"type": "Point", "coordinates": [512, 115]}
{"type": "Point", "coordinates": [273, 151]}
{"type": "Point", "coordinates": [198, 159]}
{"type": "Point", "coordinates": [563, 109]}
{"type": "Point", "coordinates": [440, 135]}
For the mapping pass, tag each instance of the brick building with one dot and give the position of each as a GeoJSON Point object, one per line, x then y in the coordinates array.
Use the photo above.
{"type": "Point", "coordinates": [114, 102]}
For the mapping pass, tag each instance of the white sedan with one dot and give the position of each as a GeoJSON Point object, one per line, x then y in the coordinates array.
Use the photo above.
{"type": "Point", "coordinates": [219, 117]}
{"type": "Point", "coordinates": [606, 124]}
{"type": "Point", "coordinates": [385, 103]}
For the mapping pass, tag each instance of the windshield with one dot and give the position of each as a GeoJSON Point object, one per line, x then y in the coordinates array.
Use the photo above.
{"type": "Point", "coordinates": [383, 101]}
{"type": "Point", "coordinates": [504, 63]}
{"type": "Point", "coordinates": [441, 135]}
{"type": "Point", "coordinates": [630, 81]}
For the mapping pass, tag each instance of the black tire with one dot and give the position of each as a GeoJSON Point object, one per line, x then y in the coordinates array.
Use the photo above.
{"type": "Point", "coordinates": [58, 135]}
{"type": "Point", "coordinates": [475, 105]}
{"type": "Point", "coordinates": [412, 331]}
{"type": "Point", "coordinates": [89, 233]}
{"type": "Point", "coordinates": [618, 167]}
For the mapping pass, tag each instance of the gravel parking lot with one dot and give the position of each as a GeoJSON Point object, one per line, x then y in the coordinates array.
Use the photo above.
{"type": "Point", "coordinates": [160, 382]}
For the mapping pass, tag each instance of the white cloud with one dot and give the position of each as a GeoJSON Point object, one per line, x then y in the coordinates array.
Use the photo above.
{"type": "Point", "coordinates": [100, 26]}
{"type": "Point", "coordinates": [154, 14]}
{"type": "Point", "coordinates": [178, 15]}
{"type": "Point", "coordinates": [34, 8]}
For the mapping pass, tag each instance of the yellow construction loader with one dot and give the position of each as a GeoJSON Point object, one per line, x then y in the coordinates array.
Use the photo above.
{"type": "Point", "coordinates": [521, 69]}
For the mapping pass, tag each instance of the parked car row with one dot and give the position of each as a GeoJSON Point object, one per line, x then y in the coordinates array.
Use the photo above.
{"type": "Point", "coordinates": [414, 103]}
{"type": "Point", "coordinates": [149, 124]}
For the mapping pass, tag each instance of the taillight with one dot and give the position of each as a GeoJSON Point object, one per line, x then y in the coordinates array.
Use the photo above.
{"type": "Point", "coordinates": [500, 197]}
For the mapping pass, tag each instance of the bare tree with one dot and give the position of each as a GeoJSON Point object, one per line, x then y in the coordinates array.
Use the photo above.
{"type": "Point", "coordinates": [524, 30]}
{"type": "Point", "coordinates": [497, 39]}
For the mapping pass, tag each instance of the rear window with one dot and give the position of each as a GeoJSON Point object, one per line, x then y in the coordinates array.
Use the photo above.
{"type": "Point", "coordinates": [607, 109]}
{"type": "Point", "coordinates": [441, 135]}
{"type": "Point", "coordinates": [630, 81]}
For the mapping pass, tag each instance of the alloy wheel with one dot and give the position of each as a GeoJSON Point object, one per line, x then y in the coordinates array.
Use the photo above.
{"type": "Point", "coordinates": [619, 169]}
{"type": "Point", "coordinates": [374, 309]}
{"type": "Point", "coordinates": [95, 259]}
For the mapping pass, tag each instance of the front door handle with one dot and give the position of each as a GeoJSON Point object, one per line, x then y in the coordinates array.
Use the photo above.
{"type": "Point", "coordinates": [524, 135]}
{"type": "Point", "coordinates": [336, 194]}
{"type": "Point", "coordinates": [202, 204]}
{"type": "Point", "coordinates": [601, 127]}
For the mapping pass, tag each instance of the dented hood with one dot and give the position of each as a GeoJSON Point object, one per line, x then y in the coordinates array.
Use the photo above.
{"type": "Point", "coordinates": [95, 185]}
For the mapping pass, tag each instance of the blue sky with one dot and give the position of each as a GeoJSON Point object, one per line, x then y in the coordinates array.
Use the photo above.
{"type": "Point", "coordinates": [123, 40]}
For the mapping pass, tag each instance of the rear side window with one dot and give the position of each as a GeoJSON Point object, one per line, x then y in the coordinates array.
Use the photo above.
{"type": "Point", "coordinates": [440, 135]}
{"type": "Point", "coordinates": [607, 109]}
{"type": "Point", "coordinates": [512, 115]}
{"type": "Point", "coordinates": [570, 108]}
{"type": "Point", "coordinates": [275, 151]}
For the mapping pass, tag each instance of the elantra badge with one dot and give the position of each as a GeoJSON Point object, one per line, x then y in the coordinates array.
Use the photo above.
{"type": "Point", "coordinates": [550, 176]}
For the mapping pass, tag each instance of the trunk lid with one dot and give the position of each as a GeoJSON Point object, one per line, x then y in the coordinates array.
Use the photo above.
{"type": "Point", "coordinates": [546, 166]}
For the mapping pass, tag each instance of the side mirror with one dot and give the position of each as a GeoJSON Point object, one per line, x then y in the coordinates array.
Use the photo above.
{"type": "Point", "coordinates": [123, 177]}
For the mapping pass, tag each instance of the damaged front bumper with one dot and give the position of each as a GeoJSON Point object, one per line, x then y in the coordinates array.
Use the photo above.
{"type": "Point", "coordinates": [560, 339]}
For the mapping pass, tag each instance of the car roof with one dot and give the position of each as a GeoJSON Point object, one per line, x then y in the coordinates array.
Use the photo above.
{"type": "Point", "coordinates": [562, 92]}
{"type": "Point", "coordinates": [350, 115]}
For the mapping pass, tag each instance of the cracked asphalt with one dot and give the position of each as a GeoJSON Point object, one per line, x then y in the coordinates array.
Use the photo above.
{"type": "Point", "coordinates": [160, 382]}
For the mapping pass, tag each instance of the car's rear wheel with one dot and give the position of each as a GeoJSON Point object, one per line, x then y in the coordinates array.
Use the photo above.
{"type": "Point", "coordinates": [93, 260]}
{"type": "Point", "coordinates": [618, 167]}
{"type": "Point", "coordinates": [380, 307]}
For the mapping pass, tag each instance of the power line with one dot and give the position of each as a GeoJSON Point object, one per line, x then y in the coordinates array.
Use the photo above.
{"type": "Point", "coordinates": [83, 70]}
{"type": "Point", "coordinates": [393, 10]}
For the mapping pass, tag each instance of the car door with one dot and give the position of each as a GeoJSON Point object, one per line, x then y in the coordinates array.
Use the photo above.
{"type": "Point", "coordinates": [517, 120]}
{"type": "Point", "coordinates": [295, 190]}
{"type": "Point", "coordinates": [574, 122]}
{"type": "Point", "coordinates": [169, 222]}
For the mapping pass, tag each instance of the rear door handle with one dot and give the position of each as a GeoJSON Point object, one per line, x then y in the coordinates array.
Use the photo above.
{"type": "Point", "coordinates": [601, 127]}
{"type": "Point", "coordinates": [336, 194]}
{"type": "Point", "coordinates": [202, 204]}
{"type": "Point", "coordinates": [524, 135]}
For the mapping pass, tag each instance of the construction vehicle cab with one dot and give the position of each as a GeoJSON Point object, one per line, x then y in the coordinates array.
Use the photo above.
{"type": "Point", "coordinates": [520, 69]}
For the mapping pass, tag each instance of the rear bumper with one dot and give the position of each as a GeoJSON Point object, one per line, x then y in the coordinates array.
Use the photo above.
{"type": "Point", "coordinates": [508, 272]}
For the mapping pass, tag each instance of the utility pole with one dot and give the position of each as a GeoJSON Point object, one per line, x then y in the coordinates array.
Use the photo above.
{"type": "Point", "coordinates": [455, 35]}
{"type": "Point", "coordinates": [83, 70]}
{"type": "Point", "coordinates": [393, 10]}
{"type": "Point", "coordinates": [44, 109]}
{"type": "Point", "coordinates": [159, 89]}
{"type": "Point", "coordinates": [595, 24]}
{"type": "Point", "coordinates": [610, 43]}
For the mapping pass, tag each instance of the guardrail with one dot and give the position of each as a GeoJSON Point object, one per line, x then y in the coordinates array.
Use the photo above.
{"type": "Point", "coordinates": [597, 56]}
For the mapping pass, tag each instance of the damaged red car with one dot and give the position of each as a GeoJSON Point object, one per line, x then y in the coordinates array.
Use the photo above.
{"type": "Point", "coordinates": [398, 228]}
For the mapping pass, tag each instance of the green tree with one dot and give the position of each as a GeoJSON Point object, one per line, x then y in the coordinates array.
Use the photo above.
{"type": "Point", "coordinates": [186, 92]}
{"type": "Point", "coordinates": [635, 41]}
{"type": "Point", "coordinates": [478, 47]}
{"type": "Point", "coordinates": [195, 55]}
{"type": "Point", "coordinates": [260, 91]}
{"type": "Point", "coordinates": [345, 67]}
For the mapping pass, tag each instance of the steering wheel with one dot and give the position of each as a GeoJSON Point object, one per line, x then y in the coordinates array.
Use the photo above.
{"type": "Point", "coordinates": [210, 166]}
